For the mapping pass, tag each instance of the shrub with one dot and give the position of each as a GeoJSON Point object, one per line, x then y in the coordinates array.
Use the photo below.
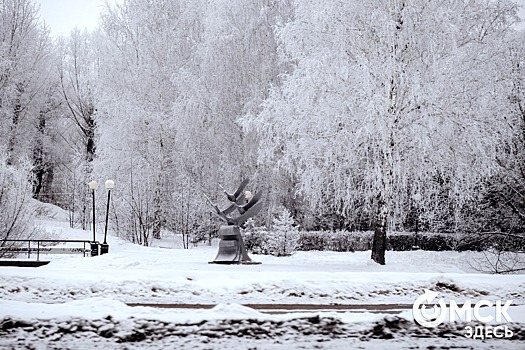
{"type": "Point", "coordinates": [342, 241]}
{"type": "Point", "coordinates": [488, 241]}
{"type": "Point", "coordinates": [255, 238]}
{"type": "Point", "coordinates": [339, 241]}
{"type": "Point", "coordinates": [282, 239]}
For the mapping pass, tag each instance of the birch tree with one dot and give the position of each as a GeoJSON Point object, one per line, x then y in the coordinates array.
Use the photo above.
{"type": "Point", "coordinates": [144, 43]}
{"type": "Point", "coordinates": [385, 98]}
{"type": "Point", "coordinates": [77, 76]}
{"type": "Point", "coordinates": [77, 73]}
{"type": "Point", "coordinates": [24, 69]}
{"type": "Point", "coordinates": [24, 50]}
{"type": "Point", "coordinates": [502, 201]}
{"type": "Point", "coordinates": [234, 66]}
{"type": "Point", "coordinates": [45, 156]}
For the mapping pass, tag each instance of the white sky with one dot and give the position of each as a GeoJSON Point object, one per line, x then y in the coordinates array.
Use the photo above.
{"type": "Point", "coordinates": [521, 12]}
{"type": "Point", "coordinates": [64, 15]}
{"type": "Point", "coordinates": [61, 16]}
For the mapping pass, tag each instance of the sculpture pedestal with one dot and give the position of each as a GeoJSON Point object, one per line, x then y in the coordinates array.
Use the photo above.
{"type": "Point", "coordinates": [231, 247]}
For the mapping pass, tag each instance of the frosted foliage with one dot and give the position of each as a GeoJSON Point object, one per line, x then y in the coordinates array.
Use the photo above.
{"type": "Point", "coordinates": [142, 46]}
{"type": "Point", "coordinates": [387, 98]}
{"type": "Point", "coordinates": [283, 236]}
{"type": "Point", "coordinates": [230, 73]}
{"type": "Point", "coordinates": [175, 77]}
{"type": "Point", "coordinates": [15, 196]}
{"type": "Point", "coordinates": [255, 237]}
{"type": "Point", "coordinates": [25, 51]}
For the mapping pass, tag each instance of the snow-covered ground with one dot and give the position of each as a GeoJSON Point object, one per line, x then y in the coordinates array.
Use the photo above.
{"type": "Point", "coordinates": [82, 303]}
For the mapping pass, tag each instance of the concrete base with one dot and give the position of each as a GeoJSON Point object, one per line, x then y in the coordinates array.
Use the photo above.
{"type": "Point", "coordinates": [251, 262]}
{"type": "Point", "coordinates": [94, 248]}
{"type": "Point", "coordinates": [231, 247]}
{"type": "Point", "coordinates": [104, 248]}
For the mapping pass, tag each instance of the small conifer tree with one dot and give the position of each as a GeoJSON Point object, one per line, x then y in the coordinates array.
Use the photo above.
{"type": "Point", "coordinates": [284, 235]}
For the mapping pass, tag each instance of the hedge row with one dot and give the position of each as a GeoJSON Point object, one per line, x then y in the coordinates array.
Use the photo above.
{"type": "Point", "coordinates": [342, 241]}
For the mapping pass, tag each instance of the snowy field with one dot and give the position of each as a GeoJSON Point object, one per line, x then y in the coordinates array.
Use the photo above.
{"type": "Point", "coordinates": [85, 303]}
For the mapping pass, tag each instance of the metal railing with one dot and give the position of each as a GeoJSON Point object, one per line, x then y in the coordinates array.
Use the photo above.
{"type": "Point", "coordinates": [39, 246]}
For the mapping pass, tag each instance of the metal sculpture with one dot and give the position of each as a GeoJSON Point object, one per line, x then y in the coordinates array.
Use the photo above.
{"type": "Point", "coordinates": [231, 246]}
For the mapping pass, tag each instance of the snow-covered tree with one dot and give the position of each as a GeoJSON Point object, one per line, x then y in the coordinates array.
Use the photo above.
{"type": "Point", "coordinates": [387, 99]}
{"type": "Point", "coordinates": [77, 70]}
{"type": "Point", "coordinates": [498, 214]}
{"type": "Point", "coordinates": [143, 44]}
{"type": "Point", "coordinates": [230, 74]}
{"type": "Point", "coordinates": [255, 237]}
{"type": "Point", "coordinates": [509, 187]}
{"type": "Point", "coordinates": [27, 92]}
{"type": "Point", "coordinates": [283, 237]}
{"type": "Point", "coordinates": [77, 67]}
{"type": "Point", "coordinates": [24, 69]}
{"type": "Point", "coordinates": [46, 146]}
{"type": "Point", "coordinates": [16, 217]}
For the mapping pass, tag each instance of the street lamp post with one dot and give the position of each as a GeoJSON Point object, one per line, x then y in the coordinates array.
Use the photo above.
{"type": "Point", "coordinates": [93, 185]}
{"type": "Point", "coordinates": [417, 199]}
{"type": "Point", "coordinates": [104, 247]}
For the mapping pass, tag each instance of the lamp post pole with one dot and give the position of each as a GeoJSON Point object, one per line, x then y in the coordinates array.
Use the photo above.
{"type": "Point", "coordinates": [104, 247]}
{"type": "Point", "coordinates": [93, 185]}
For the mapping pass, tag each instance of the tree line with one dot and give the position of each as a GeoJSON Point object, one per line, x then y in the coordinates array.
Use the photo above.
{"type": "Point", "coordinates": [377, 115]}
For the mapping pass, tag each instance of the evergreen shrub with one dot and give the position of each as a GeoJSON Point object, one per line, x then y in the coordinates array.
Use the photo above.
{"type": "Point", "coordinates": [282, 239]}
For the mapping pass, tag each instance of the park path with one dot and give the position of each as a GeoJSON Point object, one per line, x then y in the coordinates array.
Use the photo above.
{"type": "Point", "coordinates": [294, 308]}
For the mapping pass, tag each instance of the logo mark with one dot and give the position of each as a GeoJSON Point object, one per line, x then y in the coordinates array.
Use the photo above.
{"type": "Point", "coordinates": [425, 318]}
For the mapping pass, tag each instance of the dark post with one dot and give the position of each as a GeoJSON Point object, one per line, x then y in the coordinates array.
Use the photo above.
{"type": "Point", "coordinates": [104, 247]}
{"type": "Point", "coordinates": [93, 185]}
{"type": "Point", "coordinates": [94, 238]}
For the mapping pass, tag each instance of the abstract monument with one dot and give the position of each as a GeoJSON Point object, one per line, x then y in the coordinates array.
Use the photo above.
{"type": "Point", "coordinates": [243, 205]}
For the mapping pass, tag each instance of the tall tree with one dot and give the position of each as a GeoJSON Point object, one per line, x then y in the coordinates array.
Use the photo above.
{"type": "Point", "coordinates": [78, 73]}
{"type": "Point", "coordinates": [384, 98]}
{"type": "Point", "coordinates": [77, 67]}
{"type": "Point", "coordinates": [24, 52]}
{"type": "Point", "coordinates": [24, 69]}
{"type": "Point", "coordinates": [44, 159]}
{"type": "Point", "coordinates": [236, 63]}
{"type": "Point", "coordinates": [144, 42]}
{"type": "Point", "coordinates": [502, 201]}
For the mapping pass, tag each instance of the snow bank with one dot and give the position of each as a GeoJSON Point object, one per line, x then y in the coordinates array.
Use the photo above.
{"type": "Point", "coordinates": [94, 292]}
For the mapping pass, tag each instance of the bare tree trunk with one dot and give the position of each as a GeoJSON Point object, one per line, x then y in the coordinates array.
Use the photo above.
{"type": "Point", "coordinates": [89, 131]}
{"type": "Point", "coordinates": [381, 226]}
{"type": "Point", "coordinates": [156, 214]}
{"type": "Point", "coordinates": [386, 183]}
{"type": "Point", "coordinates": [38, 156]}
{"type": "Point", "coordinates": [17, 113]}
